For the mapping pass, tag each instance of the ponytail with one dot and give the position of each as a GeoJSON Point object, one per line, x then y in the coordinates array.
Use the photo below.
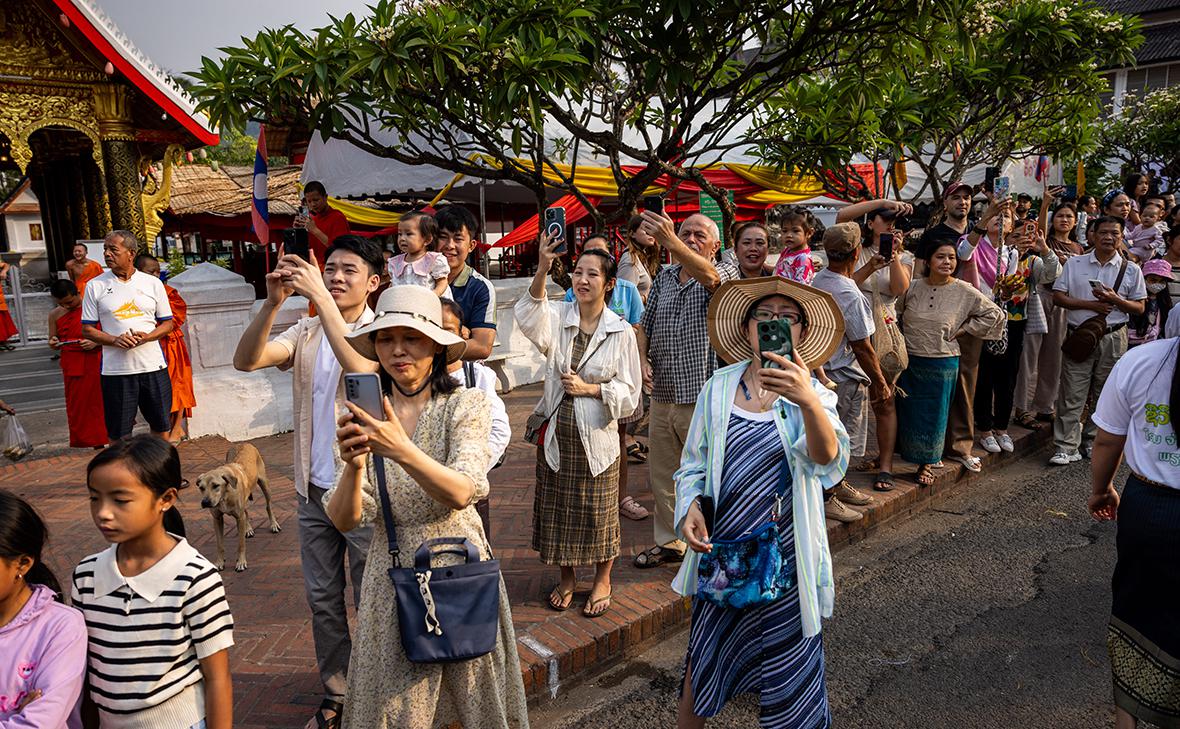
{"type": "Point", "coordinates": [174, 522]}
{"type": "Point", "coordinates": [42, 575]}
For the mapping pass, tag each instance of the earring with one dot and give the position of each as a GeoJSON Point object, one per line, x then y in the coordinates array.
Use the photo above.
{"type": "Point", "coordinates": [19, 576]}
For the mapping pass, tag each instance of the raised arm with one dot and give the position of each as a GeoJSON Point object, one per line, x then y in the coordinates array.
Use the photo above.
{"type": "Point", "coordinates": [254, 351]}
{"type": "Point", "coordinates": [304, 278]}
{"type": "Point", "coordinates": [696, 265]}
{"type": "Point", "coordinates": [860, 209]}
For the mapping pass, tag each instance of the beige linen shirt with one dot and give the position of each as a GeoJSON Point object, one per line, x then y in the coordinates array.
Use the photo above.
{"type": "Point", "coordinates": [931, 316]}
{"type": "Point", "coordinates": [302, 342]}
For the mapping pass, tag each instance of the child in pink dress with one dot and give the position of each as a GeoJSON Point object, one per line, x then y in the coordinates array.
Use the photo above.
{"type": "Point", "coordinates": [796, 227]}
{"type": "Point", "coordinates": [418, 265]}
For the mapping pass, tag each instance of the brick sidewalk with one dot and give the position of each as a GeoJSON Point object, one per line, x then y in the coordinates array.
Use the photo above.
{"type": "Point", "coordinates": [275, 684]}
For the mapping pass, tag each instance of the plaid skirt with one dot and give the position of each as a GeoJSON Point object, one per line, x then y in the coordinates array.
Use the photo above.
{"type": "Point", "coordinates": [575, 514]}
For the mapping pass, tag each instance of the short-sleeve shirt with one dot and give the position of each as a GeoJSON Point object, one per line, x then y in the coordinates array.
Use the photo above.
{"type": "Point", "coordinates": [138, 304]}
{"type": "Point", "coordinates": [423, 272]}
{"type": "Point", "coordinates": [1135, 403]}
{"type": "Point", "coordinates": [858, 324]}
{"type": "Point", "coordinates": [940, 234]}
{"type": "Point", "coordinates": [675, 322]}
{"type": "Point", "coordinates": [476, 296]}
{"type": "Point", "coordinates": [1075, 281]}
{"type": "Point", "coordinates": [634, 271]}
{"type": "Point", "coordinates": [625, 301]}
{"type": "Point", "coordinates": [333, 224]}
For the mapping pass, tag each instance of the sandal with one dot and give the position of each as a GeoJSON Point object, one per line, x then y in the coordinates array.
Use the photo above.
{"type": "Point", "coordinates": [867, 465]}
{"type": "Point", "coordinates": [560, 600]}
{"type": "Point", "coordinates": [1029, 420]}
{"type": "Point", "coordinates": [329, 705]}
{"type": "Point", "coordinates": [636, 454]}
{"type": "Point", "coordinates": [633, 510]}
{"type": "Point", "coordinates": [925, 475]}
{"type": "Point", "coordinates": [592, 609]}
{"type": "Point", "coordinates": [657, 556]}
{"type": "Point", "coordinates": [884, 481]}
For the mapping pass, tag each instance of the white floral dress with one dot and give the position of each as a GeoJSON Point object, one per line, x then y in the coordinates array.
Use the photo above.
{"type": "Point", "coordinates": [386, 690]}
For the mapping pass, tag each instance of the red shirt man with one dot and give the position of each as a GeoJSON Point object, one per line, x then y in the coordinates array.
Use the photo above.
{"type": "Point", "coordinates": [324, 224]}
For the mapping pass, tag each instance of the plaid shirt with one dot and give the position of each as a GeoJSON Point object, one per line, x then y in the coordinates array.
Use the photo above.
{"type": "Point", "coordinates": [676, 324]}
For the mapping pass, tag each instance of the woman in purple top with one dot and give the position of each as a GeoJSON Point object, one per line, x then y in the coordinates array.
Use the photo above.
{"type": "Point", "coordinates": [42, 641]}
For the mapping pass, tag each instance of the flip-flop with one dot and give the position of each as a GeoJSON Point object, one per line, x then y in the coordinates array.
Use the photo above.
{"type": "Point", "coordinates": [635, 453]}
{"type": "Point", "coordinates": [633, 510]}
{"type": "Point", "coordinates": [928, 472]}
{"type": "Point", "coordinates": [566, 597]}
{"type": "Point", "coordinates": [657, 556]}
{"type": "Point", "coordinates": [591, 610]}
{"type": "Point", "coordinates": [886, 478]}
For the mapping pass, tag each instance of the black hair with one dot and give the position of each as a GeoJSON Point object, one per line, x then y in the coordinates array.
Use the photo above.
{"type": "Point", "coordinates": [454, 218]}
{"type": "Point", "coordinates": [142, 257]}
{"type": "Point", "coordinates": [597, 236]}
{"type": "Point", "coordinates": [1024, 196]}
{"type": "Point", "coordinates": [80, 243]}
{"type": "Point", "coordinates": [750, 311]}
{"type": "Point", "coordinates": [59, 288]}
{"type": "Point", "coordinates": [1131, 181]}
{"type": "Point", "coordinates": [441, 382]}
{"type": "Point", "coordinates": [1101, 219]}
{"type": "Point", "coordinates": [315, 186]}
{"type": "Point", "coordinates": [154, 462]}
{"type": "Point", "coordinates": [743, 227]}
{"type": "Point", "coordinates": [23, 534]}
{"type": "Point", "coordinates": [454, 308]}
{"type": "Point", "coordinates": [363, 247]}
{"type": "Point", "coordinates": [427, 227]}
{"type": "Point", "coordinates": [1084, 200]}
{"type": "Point", "coordinates": [610, 270]}
{"type": "Point", "coordinates": [926, 253]}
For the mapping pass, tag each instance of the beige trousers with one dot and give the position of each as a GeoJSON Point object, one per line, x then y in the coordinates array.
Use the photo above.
{"type": "Point", "coordinates": [1049, 363]}
{"type": "Point", "coordinates": [960, 425]}
{"type": "Point", "coordinates": [1082, 382]}
{"type": "Point", "coordinates": [666, 435]}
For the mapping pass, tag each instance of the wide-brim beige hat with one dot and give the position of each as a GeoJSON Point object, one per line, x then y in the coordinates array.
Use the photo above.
{"type": "Point", "coordinates": [733, 299]}
{"type": "Point", "coordinates": [414, 307]}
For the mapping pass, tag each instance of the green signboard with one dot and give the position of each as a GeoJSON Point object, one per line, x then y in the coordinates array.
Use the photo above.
{"type": "Point", "coordinates": [711, 210]}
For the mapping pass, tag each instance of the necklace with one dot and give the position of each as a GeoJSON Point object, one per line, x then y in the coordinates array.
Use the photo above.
{"type": "Point", "coordinates": [762, 401]}
{"type": "Point", "coordinates": [415, 393]}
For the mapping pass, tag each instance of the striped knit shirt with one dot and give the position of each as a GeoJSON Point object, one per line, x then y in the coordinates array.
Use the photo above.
{"type": "Point", "coordinates": [147, 635]}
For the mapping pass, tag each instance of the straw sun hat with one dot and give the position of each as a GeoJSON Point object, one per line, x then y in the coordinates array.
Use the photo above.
{"type": "Point", "coordinates": [733, 299]}
{"type": "Point", "coordinates": [414, 307]}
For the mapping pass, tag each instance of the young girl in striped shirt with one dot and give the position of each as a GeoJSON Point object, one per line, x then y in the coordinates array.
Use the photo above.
{"type": "Point", "coordinates": [155, 609]}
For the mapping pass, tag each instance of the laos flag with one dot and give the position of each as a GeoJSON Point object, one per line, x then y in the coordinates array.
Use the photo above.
{"type": "Point", "coordinates": [258, 207]}
{"type": "Point", "coordinates": [1042, 168]}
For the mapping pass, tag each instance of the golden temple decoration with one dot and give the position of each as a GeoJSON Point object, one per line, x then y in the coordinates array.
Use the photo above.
{"type": "Point", "coordinates": [156, 199]}
{"type": "Point", "coordinates": [24, 111]}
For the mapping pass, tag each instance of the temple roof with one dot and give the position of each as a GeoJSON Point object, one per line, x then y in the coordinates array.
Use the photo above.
{"type": "Point", "coordinates": [199, 189]}
{"type": "Point", "coordinates": [112, 44]}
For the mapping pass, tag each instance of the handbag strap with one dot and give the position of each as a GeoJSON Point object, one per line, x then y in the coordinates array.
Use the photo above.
{"type": "Point", "coordinates": [387, 511]}
{"type": "Point", "coordinates": [574, 370]}
{"type": "Point", "coordinates": [1119, 281]}
{"type": "Point", "coordinates": [784, 475]}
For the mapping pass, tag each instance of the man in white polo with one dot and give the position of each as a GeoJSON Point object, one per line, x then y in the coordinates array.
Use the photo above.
{"type": "Point", "coordinates": [127, 312]}
{"type": "Point", "coordinates": [1099, 282]}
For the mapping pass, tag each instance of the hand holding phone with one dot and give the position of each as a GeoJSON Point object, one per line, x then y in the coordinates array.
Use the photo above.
{"type": "Point", "coordinates": [885, 246]}
{"type": "Point", "coordinates": [555, 227]}
{"type": "Point", "coordinates": [774, 336]}
{"type": "Point", "coordinates": [1003, 187]}
{"type": "Point", "coordinates": [363, 389]}
{"type": "Point", "coordinates": [654, 203]}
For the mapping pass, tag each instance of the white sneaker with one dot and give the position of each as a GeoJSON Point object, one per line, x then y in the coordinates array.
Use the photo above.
{"type": "Point", "coordinates": [1005, 443]}
{"type": "Point", "coordinates": [1061, 458]}
{"type": "Point", "coordinates": [989, 444]}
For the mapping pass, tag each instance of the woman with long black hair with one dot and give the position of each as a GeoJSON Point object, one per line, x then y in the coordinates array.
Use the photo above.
{"type": "Point", "coordinates": [1134, 417]}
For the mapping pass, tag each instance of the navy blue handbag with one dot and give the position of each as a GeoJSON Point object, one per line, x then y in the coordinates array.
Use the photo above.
{"type": "Point", "coordinates": [445, 614]}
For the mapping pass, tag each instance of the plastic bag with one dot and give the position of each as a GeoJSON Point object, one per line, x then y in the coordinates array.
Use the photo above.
{"type": "Point", "coordinates": [14, 441]}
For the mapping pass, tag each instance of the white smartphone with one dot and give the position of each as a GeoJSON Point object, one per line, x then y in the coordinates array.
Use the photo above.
{"type": "Point", "coordinates": [363, 389]}
{"type": "Point", "coordinates": [1096, 284]}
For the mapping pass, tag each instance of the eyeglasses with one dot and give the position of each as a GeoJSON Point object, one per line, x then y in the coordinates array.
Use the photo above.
{"type": "Point", "coordinates": [793, 317]}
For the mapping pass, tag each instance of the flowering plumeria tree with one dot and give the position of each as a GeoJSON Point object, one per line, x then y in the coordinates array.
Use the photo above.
{"type": "Point", "coordinates": [509, 89]}
{"type": "Point", "coordinates": [1012, 79]}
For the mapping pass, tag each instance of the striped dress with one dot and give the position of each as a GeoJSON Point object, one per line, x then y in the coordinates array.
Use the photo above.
{"type": "Point", "coordinates": [760, 649]}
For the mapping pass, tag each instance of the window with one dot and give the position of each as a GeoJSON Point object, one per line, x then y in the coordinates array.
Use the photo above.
{"type": "Point", "coordinates": [35, 232]}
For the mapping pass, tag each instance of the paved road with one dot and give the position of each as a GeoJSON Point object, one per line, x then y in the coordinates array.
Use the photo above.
{"type": "Point", "coordinates": [988, 611]}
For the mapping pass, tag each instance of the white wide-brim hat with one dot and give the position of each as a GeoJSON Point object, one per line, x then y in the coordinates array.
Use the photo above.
{"type": "Point", "coordinates": [413, 307]}
{"type": "Point", "coordinates": [732, 301]}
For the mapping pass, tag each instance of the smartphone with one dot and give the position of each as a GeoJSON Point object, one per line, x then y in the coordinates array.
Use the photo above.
{"type": "Point", "coordinates": [295, 243]}
{"type": "Point", "coordinates": [774, 336]}
{"type": "Point", "coordinates": [654, 203]}
{"type": "Point", "coordinates": [989, 178]}
{"type": "Point", "coordinates": [1003, 187]}
{"type": "Point", "coordinates": [1030, 228]}
{"type": "Point", "coordinates": [886, 246]}
{"type": "Point", "coordinates": [363, 389]}
{"type": "Point", "coordinates": [555, 226]}
{"type": "Point", "coordinates": [1071, 192]}
{"type": "Point", "coordinates": [1096, 284]}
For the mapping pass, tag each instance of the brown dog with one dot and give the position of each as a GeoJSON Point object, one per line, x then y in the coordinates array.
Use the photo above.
{"type": "Point", "coordinates": [226, 490]}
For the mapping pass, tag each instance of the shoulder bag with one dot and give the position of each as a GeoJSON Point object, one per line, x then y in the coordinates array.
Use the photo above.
{"type": "Point", "coordinates": [1081, 342]}
{"type": "Point", "coordinates": [444, 614]}
{"type": "Point", "coordinates": [747, 571]}
{"type": "Point", "coordinates": [536, 424]}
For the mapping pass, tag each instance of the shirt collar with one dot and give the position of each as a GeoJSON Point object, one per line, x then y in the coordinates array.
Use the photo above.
{"type": "Point", "coordinates": [1114, 260]}
{"type": "Point", "coordinates": [464, 276]}
{"type": "Point", "coordinates": [421, 266]}
{"type": "Point", "coordinates": [149, 584]}
{"type": "Point", "coordinates": [608, 322]}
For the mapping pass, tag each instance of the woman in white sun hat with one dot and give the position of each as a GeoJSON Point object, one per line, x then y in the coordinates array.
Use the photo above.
{"type": "Point", "coordinates": [763, 445]}
{"type": "Point", "coordinates": [434, 441]}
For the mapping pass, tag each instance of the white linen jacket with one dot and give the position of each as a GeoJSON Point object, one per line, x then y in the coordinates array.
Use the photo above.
{"type": "Point", "coordinates": [611, 361]}
{"type": "Point", "coordinates": [700, 475]}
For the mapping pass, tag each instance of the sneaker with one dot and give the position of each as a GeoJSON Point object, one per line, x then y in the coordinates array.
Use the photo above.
{"type": "Point", "coordinates": [849, 495]}
{"type": "Point", "coordinates": [990, 444]}
{"type": "Point", "coordinates": [1005, 443]}
{"type": "Point", "coordinates": [836, 509]}
{"type": "Point", "coordinates": [1061, 458]}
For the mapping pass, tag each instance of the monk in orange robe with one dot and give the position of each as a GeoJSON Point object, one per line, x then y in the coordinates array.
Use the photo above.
{"type": "Point", "coordinates": [81, 268]}
{"type": "Point", "coordinates": [180, 364]}
{"type": "Point", "coordinates": [8, 329]}
{"type": "Point", "coordinates": [81, 368]}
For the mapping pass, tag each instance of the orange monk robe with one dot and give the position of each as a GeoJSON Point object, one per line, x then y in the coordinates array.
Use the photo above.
{"type": "Point", "coordinates": [180, 365]}
{"type": "Point", "coordinates": [7, 327]}
{"type": "Point", "coordinates": [81, 372]}
{"type": "Point", "coordinates": [92, 270]}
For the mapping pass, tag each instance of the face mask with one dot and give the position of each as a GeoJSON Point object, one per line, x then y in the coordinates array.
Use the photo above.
{"type": "Point", "coordinates": [1155, 288]}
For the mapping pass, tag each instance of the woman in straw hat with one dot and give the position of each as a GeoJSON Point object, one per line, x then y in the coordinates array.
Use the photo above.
{"type": "Point", "coordinates": [434, 440]}
{"type": "Point", "coordinates": [935, 312]}
{"type": "Point", "coordinates": [592, 379]}
{"type": "Point", "coordinates": [755, 432]}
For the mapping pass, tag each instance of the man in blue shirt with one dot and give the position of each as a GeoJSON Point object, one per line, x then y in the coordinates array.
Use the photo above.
{"type": "Point", "coordinates": [475, 295]}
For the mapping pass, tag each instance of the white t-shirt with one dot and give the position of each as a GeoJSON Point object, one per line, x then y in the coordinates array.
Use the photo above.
{"type": "Point", "coordinates": [501, 433]}
{"type": "Point", "coordinates": [325, 382]}
{"type": "Point", "coordinates": [138, 304]}
{"type": "Point", "coordinates": [1134, 403]}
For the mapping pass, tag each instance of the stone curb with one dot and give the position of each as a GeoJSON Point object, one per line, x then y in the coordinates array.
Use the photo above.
{"type": "Point", "coordinates": [570, 647]}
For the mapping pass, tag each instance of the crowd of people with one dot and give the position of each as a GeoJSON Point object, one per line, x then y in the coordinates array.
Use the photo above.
{"type": "Point", "coordinates": [761, 386]}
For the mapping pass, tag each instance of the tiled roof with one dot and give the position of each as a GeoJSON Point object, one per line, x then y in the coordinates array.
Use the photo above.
{"type": "Point", "coordinates": [1139, 7]}
{"type": "Point", "coordinates": [1160, 43]}
{"type": "Point", "coordinates": [198, 189]}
